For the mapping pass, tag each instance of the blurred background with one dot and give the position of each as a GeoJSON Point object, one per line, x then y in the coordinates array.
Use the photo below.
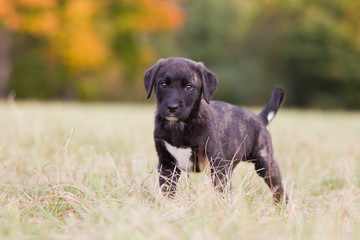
{"type": "Point", "coordinates": [92, 50]}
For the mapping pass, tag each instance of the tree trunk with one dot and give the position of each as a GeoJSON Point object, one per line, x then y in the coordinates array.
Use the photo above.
{"type": "Point", "coordinates": [5, 60]}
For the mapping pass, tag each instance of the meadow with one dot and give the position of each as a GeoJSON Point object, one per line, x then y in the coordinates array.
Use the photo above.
{"type": "Point", "coordinates": [88, 171]}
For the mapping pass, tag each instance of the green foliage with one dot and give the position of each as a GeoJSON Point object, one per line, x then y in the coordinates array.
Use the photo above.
{"type": "Point", "coordinates": [310, 47]}
{"type": "Point", "coordinates": [33, 76]}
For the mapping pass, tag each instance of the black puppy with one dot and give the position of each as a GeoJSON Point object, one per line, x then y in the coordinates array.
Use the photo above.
{"type": "Point", "coordinates": [191, 133]}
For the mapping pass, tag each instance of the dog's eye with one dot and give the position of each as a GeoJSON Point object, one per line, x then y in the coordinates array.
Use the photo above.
{"type": "Point", "coordinates": [162, 84]}
{"type": "Point", "coordinates": [188, 87]}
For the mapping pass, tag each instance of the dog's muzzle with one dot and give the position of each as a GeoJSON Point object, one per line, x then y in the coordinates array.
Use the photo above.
{"type": "Point", "coordinates": [172, 119]}
{"type": "Point", "coordinates": [172, 110]}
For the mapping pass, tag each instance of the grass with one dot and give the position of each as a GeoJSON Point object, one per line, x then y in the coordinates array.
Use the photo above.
{"type": "Point", "coordinates": [88, 171]}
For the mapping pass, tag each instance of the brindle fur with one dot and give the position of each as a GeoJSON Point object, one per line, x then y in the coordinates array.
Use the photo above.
{"type": "Point", "coordinates": [217, 132]}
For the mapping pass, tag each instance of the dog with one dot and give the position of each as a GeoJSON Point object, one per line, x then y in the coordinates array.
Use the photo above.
{"type": "Point", "coordinates": [192, 133]}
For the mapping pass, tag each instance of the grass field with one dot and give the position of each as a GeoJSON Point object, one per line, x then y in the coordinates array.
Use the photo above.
{"type": "Point", "coordinates": [88, 171]}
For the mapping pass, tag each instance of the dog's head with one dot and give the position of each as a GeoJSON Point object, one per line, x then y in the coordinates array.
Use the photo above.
{"type": "Point", "coordinates": [179, 84]}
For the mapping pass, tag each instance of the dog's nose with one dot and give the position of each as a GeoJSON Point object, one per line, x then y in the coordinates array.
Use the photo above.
{"type": "Point", "coordinates": [173, 107]}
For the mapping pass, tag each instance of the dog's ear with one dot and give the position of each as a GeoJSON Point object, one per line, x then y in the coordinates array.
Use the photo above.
{"type": "Point", "coordinates": [209, 82]}
{"type": "Point", "coordinates": [150, 76]}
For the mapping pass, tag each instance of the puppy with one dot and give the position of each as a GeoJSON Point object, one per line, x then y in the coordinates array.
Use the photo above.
{"type": "Point", "coordinates": [191, 132]}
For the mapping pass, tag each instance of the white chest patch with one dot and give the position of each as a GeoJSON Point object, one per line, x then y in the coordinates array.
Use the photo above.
{"type": "Point", "coordinates": [182, 156]}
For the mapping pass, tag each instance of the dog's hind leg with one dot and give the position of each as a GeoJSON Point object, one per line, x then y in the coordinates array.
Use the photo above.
{"type": "Point", "coordinates": [267, 168]}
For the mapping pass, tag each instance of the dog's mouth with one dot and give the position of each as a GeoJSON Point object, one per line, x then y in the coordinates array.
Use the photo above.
{"type": "Point", "coordinates": [174, 123]}
{"type": "Point", "coordinates": [172, 119]}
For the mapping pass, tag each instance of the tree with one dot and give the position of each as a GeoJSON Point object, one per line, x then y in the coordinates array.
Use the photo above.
{"type": "Point", "coordinates": [73, 38]}
{"type": "Point", "coordinates": [310, 47]}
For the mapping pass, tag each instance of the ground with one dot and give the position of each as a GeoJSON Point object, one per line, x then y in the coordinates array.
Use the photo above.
{"type": "Point", "coordinates": [88, 171]}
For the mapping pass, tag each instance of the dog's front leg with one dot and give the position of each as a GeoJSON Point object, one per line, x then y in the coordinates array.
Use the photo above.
{"type": "Point", "coordinates": [169, 173]}
{"type": "Point", "coordinates": [168, 179]}
{"type": "Point", "coordinates": [220, 174]}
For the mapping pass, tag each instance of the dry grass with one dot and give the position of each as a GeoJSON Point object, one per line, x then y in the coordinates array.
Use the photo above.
{"type": "Point", "coordinates": [71, 171]}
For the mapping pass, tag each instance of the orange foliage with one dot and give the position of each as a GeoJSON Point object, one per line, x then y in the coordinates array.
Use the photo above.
{"type": "Point", "coordinates": [85, 51]}
{"type": "Point", "coordinates": [37, 3]}
{"type": "Point", "coordinates": [39, 22]}
{"type": "Point", "coordinates": [71, 31]}
{"type": "Point", "coordinates": [44, 24]}
{"type": "Point", "coordinates": [83, 46]}
{"type": "Point", "coordinates": [80, 11]}
{"type": "Point", "coordinates": [156, 15]}
{"type": "Point", "coordinates": [8, 15]}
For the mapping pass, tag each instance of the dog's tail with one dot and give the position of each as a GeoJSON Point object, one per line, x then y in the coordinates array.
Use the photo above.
{"type": "Point", "coordinates": [277, 99]}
